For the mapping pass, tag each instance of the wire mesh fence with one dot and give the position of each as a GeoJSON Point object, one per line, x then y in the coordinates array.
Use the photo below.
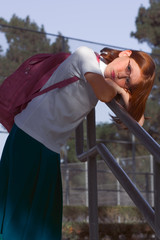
{"type": "Point", "coordinates": [110, 192]}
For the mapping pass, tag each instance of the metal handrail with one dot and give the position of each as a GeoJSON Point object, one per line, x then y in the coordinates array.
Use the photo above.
{"type": "Point", "coordinates": [152, 146]}
{"type": "Point", "coordinates": [151, 216]}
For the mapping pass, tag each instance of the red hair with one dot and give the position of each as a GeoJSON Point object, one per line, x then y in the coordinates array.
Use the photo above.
{"type": "Point", "coordinates": [141, 91]}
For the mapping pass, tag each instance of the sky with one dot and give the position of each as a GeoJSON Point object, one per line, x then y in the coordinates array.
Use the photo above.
{"type": "Point", "coordinates": [108, 22]}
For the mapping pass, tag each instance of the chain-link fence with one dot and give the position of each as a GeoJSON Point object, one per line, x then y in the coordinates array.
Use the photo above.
{"type": "Point", "coordinates": [110, 192]}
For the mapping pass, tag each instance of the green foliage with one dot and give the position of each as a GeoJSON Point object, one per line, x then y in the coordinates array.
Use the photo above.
{"type": "Point", "coordinates": [148, 25]}
{"type": "Point", "coordinates": [61, 44]}
{"type": "Point", "coordinates": [72, 157]}
{"type": "Point", "coordinates": [132, 225]}
{"type": "Point", "coordinates": [80, 231]}
{"type": "Point", "coordinates": [74, 213]}
{"type": "Point", "coordinates": [106, 214]}
{"type": "Point", "coordinates": [124, 214]}
{"type": "Point", "coordinates": [25, 38]}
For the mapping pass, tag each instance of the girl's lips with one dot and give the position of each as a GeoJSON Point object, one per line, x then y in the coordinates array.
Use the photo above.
{"type": "Point", "coordinates": [113, 75]}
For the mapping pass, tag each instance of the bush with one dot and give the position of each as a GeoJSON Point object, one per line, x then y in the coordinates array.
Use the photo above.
{"type": "Point", "coordinates": [132, 225]}
{"type": "Point", "coordinates": [111, 214]}
{"type": "Point", "coordinates": [112, 231]}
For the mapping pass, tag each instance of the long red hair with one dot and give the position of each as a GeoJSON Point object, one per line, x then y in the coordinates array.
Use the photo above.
{"type": "Point", "coordinates": [141, 91]}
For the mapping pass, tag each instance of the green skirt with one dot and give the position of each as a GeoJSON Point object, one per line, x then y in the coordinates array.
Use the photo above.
{"type": "Point", "coordinates": [30, 190]}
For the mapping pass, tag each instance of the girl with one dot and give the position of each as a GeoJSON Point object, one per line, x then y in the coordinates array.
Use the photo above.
{"type": "Point", "coordinates": [30, 178]}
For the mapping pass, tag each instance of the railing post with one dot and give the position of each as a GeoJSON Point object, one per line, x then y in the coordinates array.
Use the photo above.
{"type": "Point", "coordinates": [79, 139]}
{"type": "Point", "coordinates": [133, 158]}
{"type": "Point", "coordinates": [152, 180]}
{"type": "Point", "coordinates": [92, 179]}
{"type": "Point", "coordinates": [118, 189]}
{"type": "Point", "coordinates": [157, 197]}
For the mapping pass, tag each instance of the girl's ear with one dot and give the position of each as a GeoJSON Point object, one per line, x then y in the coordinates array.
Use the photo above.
{"type": "Point", "coordinates": [125, 53]}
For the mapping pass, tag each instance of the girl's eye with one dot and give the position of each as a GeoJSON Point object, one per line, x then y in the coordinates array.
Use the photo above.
{"type": "Point", "coordinates": [128, 72]}
{"type": "Point", "coordinates": [129, 68]}
{"type": "Point", "coordinates": [127, 80]}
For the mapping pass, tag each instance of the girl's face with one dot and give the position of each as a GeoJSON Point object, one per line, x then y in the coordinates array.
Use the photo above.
{"type": "Point", "coordinates": [124, 70]}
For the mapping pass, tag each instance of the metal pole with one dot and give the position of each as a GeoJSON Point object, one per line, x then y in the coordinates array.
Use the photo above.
{"type": "Point", "coordinates": [133, 159]}
{"type": "Point", "coordinates": [92, 179]}
{"type": "Point", "coordinates": [65, 149]}
{"type": "Point", "coordinates": [79, 139]}
{"type": "Point", "coordinates": [147, 186]}
{"type": "Point", "coordinates": [86, 182]}
{"type": "Point", "coordinates": [118, 194]}
{"type": "Point", "coordinates": [157, 197]}
{"type": "Point", "coordinates": [118, 189]}
{"type": "Point", "coordinates": [152, 180]}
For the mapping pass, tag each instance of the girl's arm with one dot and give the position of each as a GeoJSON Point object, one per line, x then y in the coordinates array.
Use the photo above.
{"type": "Point", "coordinates": [102, 88]}
{"type": "Point", "coordinates": [106, 89]}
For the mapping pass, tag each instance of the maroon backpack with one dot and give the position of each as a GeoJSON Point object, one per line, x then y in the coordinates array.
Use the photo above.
{"type": "Point", "coordinates": [25, 84]}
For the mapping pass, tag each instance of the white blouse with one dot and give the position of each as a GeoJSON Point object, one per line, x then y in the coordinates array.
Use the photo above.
{"type": "Point", "coordinates": [50, 118]}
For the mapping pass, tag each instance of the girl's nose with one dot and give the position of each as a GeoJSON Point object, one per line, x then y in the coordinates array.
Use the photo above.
{"type": "Point", "coordinates": [122, 75]}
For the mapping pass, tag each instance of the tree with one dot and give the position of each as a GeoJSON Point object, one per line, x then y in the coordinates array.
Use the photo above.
{"type": "Point", "coordinates": [25, 38]}
{"type": "Point", "coordinates": [61, 44]}
{"type": "Point", "coordinates": [148, 30]}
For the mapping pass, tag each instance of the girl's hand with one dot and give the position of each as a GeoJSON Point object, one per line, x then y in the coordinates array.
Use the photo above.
{"type": "Point", "coordinates": [121, 91]}
{"type": "Point", "coordinates": [125, 96]}
{"type": "Point", "coordinates": [141, 121]}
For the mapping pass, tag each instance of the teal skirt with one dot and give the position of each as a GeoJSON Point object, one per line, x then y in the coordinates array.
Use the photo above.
{"type": "Point", "coordinates": [30, 190]}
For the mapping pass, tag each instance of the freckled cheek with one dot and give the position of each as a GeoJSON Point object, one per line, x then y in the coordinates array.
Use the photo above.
{"type": "Point", "coordinates": [120, 82]}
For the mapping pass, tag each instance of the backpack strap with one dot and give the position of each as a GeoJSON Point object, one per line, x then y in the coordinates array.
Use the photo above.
{"type": "Point", "coordinates": [61, 84]}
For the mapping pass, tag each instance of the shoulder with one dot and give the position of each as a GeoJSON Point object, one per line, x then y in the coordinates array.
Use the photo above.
{"type": "Point", "coordinates": [84, 54]}
{"type": "Point", "coordinates": [83, 51]}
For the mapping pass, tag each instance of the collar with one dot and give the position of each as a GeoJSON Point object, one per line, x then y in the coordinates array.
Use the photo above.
{"type": "Point", "coordinates": [102, 65]}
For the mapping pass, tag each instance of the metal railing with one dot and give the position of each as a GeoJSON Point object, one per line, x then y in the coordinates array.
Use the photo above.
{"type": "Point", "coordinates": [151, 216]}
